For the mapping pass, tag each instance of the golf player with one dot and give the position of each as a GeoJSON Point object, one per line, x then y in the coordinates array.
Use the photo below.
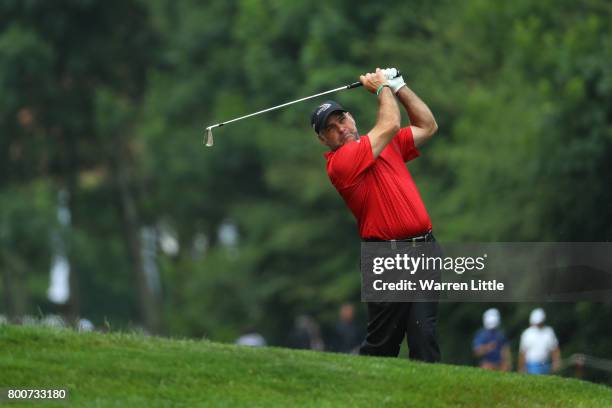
{"type": "Point", "coordinates": [370, 173]}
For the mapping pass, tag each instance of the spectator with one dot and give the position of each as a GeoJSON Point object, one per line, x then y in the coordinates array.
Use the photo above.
{"type": "Point", "coordinates": [539, 346]}
{"type": "Point", "coordinates": [306, 334]}
{"type": "Point", "coordinates": [490, 345]}
{"type": "Point", "coordinates": [347, 337]}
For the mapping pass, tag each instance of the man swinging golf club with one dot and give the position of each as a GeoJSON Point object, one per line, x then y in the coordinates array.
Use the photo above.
{"type": "Point", "coordinates": [370, 174]}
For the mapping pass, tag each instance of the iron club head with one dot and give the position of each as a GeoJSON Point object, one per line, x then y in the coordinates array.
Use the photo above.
{"type": "Point", "coordinates": [209, 137]}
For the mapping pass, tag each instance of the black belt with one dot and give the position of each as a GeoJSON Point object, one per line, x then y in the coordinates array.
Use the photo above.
{"type": "Point", "coordinates": [427, 237]}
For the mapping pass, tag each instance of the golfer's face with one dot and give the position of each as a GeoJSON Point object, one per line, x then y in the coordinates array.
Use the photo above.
{"type": "Point", "coordinates": [340, 129]}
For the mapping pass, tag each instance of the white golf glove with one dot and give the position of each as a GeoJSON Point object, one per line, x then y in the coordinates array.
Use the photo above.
{"type": "Point", "coordinates": [395, 83]}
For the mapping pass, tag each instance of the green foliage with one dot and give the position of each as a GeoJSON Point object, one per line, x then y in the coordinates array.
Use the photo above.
{"type": "Point", "coordinates": [95, 91]}
{"type": "Point", "coordinates": [26, 217]}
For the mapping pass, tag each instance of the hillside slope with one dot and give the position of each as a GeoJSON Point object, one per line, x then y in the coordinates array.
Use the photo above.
{"type": "Point", "coordinates": [132, 370]}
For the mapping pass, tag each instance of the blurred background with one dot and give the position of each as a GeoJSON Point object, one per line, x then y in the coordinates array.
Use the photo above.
{"type": "Point", "coordinates": [114, 216]}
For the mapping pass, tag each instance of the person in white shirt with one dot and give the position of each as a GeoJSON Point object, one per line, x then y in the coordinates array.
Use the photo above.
{"type": "Point", "coordinates": [539, 346]}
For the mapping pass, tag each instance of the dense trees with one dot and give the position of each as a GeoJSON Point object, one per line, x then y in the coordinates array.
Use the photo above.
{"type": "Point", "coordinates": [108, 101]}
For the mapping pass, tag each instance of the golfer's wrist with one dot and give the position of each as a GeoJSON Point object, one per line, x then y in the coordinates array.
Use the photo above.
{"type": "Point", "coordinates": [381, 87]}
{"type": "Point", "coordinates": [399, 88]}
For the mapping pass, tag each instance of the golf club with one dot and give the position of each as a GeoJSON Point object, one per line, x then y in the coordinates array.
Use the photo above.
{"type": "Point", "coordinates": [209, 136]}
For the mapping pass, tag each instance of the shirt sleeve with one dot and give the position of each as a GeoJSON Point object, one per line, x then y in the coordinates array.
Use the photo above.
{"type": "Point", "coordinates": [404, 141]}
{"type": "Point", "coordinates": [350, 162]}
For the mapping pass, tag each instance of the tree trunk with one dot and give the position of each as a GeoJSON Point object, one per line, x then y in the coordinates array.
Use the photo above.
{"type": "Point", "coordinates": [148, 301]}
{"type": "Point", "coordinates": [15, 300]}
{"type": "Point", "coordinates": [72, 309]}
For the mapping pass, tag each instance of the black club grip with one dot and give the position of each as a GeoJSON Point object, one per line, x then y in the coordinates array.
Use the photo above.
{"type": "Point", "coordinates": [358, 84]}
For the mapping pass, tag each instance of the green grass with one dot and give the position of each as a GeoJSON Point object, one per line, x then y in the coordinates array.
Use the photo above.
{"type": "Point", "coordinates": [128, 370]}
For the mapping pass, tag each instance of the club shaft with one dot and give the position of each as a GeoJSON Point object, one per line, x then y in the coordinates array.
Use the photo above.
{"type": "Point", "coordinates": [353, 85]}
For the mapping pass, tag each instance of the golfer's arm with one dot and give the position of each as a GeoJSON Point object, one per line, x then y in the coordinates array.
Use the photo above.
{"type": "Point", "coordinates": [422, 121]}
{"type": "Point", "coordinates": [387, 123]}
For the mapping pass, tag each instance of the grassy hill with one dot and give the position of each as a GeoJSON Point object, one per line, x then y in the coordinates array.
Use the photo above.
{"type": "Point", "coordinates": [135, 371]}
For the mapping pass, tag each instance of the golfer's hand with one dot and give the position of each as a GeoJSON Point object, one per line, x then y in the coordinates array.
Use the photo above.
{"type": "Point", "coordinates": [371, 81]}
{"type": "Point", "coordinates": [395, 83]}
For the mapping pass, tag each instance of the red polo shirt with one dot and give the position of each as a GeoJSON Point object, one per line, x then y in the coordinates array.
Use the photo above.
{"type": "Point", "coordinates": [380, 192]}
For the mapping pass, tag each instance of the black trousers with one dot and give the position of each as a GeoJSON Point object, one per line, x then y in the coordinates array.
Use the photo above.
{"type": "Point", "coordinates": [389, 322]}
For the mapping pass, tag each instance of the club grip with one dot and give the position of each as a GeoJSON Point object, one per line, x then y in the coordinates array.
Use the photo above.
{"type": "Point", "coordinates": [358, 84]}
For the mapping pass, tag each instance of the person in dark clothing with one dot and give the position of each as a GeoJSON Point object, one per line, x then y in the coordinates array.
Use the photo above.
{"type": "Point", "coordinates": [346, 334]}
{"type": "Point", "coordinates": [490, 344]}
